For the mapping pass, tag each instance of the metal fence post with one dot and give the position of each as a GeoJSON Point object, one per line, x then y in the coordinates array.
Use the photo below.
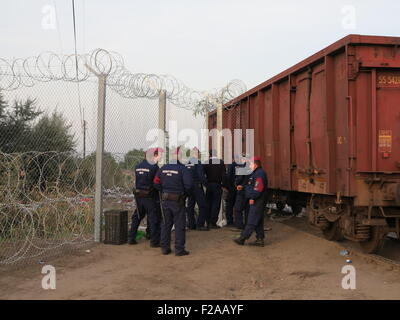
{"type": "Point", "coordinates": [219, 128]}
{"type": "Point", "coordinates": [221, 216]}
{"type": "Point", "coordinates": [99, 158]}
{"type": "Point", "coordinates": [162, 115]}
{"type": "Point", "coordinates": [206, 141]}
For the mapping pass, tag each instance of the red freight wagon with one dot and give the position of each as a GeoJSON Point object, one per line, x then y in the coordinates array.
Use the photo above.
{"type": "Point", "coordinates": [328, 132]}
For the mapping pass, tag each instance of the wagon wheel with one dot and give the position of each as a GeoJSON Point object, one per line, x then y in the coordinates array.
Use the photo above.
{"type": "Point", "coordinates": [333, 232]}
{"type": "Point", "coordinates": [376, 241]}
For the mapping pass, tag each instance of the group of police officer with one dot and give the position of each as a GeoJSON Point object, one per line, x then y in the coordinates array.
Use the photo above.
{"type": "Point", "coordinates": [168, 196]}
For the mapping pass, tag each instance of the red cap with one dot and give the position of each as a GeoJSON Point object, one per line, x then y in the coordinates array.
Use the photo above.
{"type": "Point", "coordinates": [176, 151]}
{"type": "Point", "coordinates": [255, 159]}
{"type": "Point", "coordinates": [154, 151]}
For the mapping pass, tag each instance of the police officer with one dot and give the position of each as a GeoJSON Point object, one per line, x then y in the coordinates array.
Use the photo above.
{"type": "Point", "coordinates": [174, 182]}
{"type": "Point", "coordinates": [199, 180]}
{"type": "Point", "coordinates": [256, 195]}
{"type": "Point", "coordinates": [241, 207]}
{"type": "Point", "coordinates": [230, 178]}
{"type": "Point", "coordinates": [216, 179]}
{"type": "Point", "coordinates": [146, 198]}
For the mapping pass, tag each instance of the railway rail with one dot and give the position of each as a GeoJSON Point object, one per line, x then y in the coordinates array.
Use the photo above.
{"type": "Point", "coordinates": [389, 255]}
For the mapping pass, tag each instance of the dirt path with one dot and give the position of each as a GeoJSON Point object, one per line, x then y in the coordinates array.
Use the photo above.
{"type": "Point", "coordinates": [294, 265]}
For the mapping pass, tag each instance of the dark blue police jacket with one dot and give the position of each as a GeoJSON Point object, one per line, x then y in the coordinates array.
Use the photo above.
{"type": "Point", "coordinates": [196, 169]}
{"type": "Point", "coordinates": [174, 178]}
{"type": "Point", "coordinates": [242, 179]}
{"type": "Point", "coordinates": [257, 184]}
{"type": "Point", "coordinates": [231, 174]}
{"type": "Point", "coordinates": [145, 173]}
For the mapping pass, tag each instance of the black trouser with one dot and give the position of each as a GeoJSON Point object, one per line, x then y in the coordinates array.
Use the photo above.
{"type": "Point", "coordinates": [230, 204]}
{"type": "Point", "coordinates": [198, 197]}
{"type": "Point", "coordinates": [256, 219]}
{"type": "Point", "coordinates": [241, 209]}
{"type": "Point", "coordinates": [213, 195]}
{"type": "Point", "coordinates": [146, 206]}
{"type": "Point", "coordinates": [173, 214]}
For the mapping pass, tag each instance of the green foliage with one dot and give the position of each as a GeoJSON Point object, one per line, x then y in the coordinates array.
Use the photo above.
{"type": "Point", "coordinates": [46, 159]}
{"type": "Point", "coordinates": [16, 124]}
{"type": "Point", "coordinates": [24, 129]}
{"type": "Point", "coordinates": [20, 132]}
{"type": "Point", "coordinates": [132, 158]}
{"type": "Point", "coordinates": [52, 133]}
{"type": "Point", "coordinates": [113, 172]}
{"type": "Point", "coordinates": [3, 106]}
{"type": "Point", "coordinates": [85, 176]}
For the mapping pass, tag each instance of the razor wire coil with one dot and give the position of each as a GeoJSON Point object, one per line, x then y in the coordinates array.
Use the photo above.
{"type": "Point", "coordinates": [47, 201]}
{"type": "Point", "coordinates": [47, 198]}
{"type": "Point", "coordinates": [49, 66]}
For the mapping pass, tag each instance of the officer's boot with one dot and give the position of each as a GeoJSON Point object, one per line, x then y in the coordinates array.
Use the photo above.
{"type": "Point", "coordinates": [240, 241]}
{"type": "Point", "coordinates": [148, 231]}
{"type": "Point", "coordinates": [155, 245]}
{"type": "Point", "coordinates": [182, 253]}
{"type": "Point", "coordinates": [202, 229]}
{"type": "Point", "coordinates": [132, 241]}
{"type": "Point", "coordinates": [257, 243]}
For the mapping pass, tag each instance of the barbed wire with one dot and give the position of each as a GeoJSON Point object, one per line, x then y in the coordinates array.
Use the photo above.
{"type": "Point", "coordinates": [47, 200]}
{"type": "Point", "coordinates": [49, 66]}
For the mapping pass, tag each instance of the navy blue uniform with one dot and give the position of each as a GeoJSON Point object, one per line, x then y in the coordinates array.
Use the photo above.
{"type": "Point", "coordinates": [230, 201]}
{"type": "Point", "coordinates": [199, 180]}
{"type": "Point", "coordinates": [216, 178]}
{"type": "Point", "coordinates": [147, 201]}
{"type": "Point", "coordinates": [241, 205]}
{"type": "Point", "coordinates": [175, 183]}
{"type": "Point", "coordinates": [256, 189]}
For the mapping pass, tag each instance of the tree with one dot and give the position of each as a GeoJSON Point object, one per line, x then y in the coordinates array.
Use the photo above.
{"type": "Point", "coordinates": [16, 134]}
{"type": "Point", "coordinates": [16, 125]}
{"type": "Point", "coordinates": [52, 133]}
{"type": "Point", "coordinates": [112, 172]}
{"type": "Point", "coordinates": [3, 106]}
{"type": "Point", "coordinates": [51, 137]}
{"type": "Point", "coordinates": [132, 158]}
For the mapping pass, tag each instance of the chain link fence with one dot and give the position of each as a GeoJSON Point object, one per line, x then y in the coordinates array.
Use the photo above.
{"type": "Point", "coordinates": [46, 183]}
{"type": "Point", "coordinates": [48, 129]}
{"type": "Point", "coordinates": [48, 166]}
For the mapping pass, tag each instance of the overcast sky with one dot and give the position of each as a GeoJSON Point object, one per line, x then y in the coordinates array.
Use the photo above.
{"type": "Point", "coordinates": [204, 43]}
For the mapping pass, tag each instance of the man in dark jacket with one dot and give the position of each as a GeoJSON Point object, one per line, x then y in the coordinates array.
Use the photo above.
{"type": "Point", "coordinates": [231, 186]}
{"type": "Point", "coordinates": [175, 183]}
{"type": "Point", "coordinates": [256, 195]}
{"type": "Point", "coordinates": [146, 198]}
{"type": "Point", "coordinates": [199, 180]}
{"type": "Point", "coordinates": [240, 209]}
{"type": "Point", "coordinates": [216, 179]}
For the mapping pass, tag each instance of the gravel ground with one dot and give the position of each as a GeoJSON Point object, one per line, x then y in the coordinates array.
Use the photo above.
{"type": "Point", "coordinates": [293, 265]}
